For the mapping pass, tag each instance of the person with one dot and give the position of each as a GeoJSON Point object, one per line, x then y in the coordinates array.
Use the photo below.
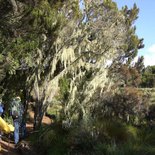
{"type": "Point", "coordinates": [1, 113]}
{"type": "Point", "coordinates": [23, 128]}
{"type": "Point", "coordinates": [17, 113]}
{"type": "Point", "coordinates": [1, 108]}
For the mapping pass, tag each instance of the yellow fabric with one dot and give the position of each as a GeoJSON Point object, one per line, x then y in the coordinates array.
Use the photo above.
{"type": "Point", "coordinates": [5, 127]}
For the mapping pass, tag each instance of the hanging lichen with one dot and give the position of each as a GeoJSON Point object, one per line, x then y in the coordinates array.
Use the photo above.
{"type": "Point", "coordinates": [82, 45]}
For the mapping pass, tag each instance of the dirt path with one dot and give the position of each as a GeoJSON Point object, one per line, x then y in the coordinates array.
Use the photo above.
{"type": "Point", "coordinates": [8, 149]}
{"type": "Point", "coordinates": [7, 145]}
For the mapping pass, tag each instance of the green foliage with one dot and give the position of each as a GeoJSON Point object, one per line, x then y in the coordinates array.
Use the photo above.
{"type": "Point", "coordinates": [148, 80]}
{"type": "Point", "coordinates": [139, 65]}
{"type": "Point", "coordinates": [64, 89]}
{"type": "Point", "coordinates": [55, 49]}
{"type": "Point", "coordinates": [43, 14]}
{"type": "Point", "coordinates": [129, 76]}
{"type": "Point", "coordinates": [148, 77]}
{"type": "Point", "coordinates": [127, 104]}
{"type": "Point", "coordinates": [52, 140]}
{"type": "Point", "coordinates": [133, 42]}
{"type": "Point", "coordinates": [106, 137]}
{"type": "Point", "coordinates": [49, 40]}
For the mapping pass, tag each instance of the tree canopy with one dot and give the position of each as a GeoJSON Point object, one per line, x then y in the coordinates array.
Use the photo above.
{"type": "Point", "coordinates": [44, 41]}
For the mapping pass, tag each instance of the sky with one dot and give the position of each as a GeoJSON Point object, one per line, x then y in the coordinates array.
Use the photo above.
{"type": "Point", "coordinates": [145, 25]}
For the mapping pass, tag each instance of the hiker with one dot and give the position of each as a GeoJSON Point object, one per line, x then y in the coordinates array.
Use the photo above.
{"type": "Point", "coordinates": [1, 112]}
{"type": "Point", "coordinates": [23, 128]}
{"type": "Point", "coordinates": [17, 110]}
{"type": "Point", "coordinates": [4, 126]}
{"type": "Point", "coordinates": [1, 108]}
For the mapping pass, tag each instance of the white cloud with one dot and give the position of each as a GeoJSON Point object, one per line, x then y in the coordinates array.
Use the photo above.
{"type": "Point", "coordinates": [149, 57]}
{"type": "Point", "coordinates": [149, 60]}
{"type": "Point", "coordinates": [152, 49]}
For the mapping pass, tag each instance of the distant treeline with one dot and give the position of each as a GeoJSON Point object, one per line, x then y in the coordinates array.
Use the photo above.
{"type": "Point", "coordinates": [148, 77]}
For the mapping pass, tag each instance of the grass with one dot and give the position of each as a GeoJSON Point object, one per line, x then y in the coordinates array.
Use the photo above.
{"type": "Point", "coordinates": [116, 138]}
{"type": "Point", "coordinates": [134, 141]}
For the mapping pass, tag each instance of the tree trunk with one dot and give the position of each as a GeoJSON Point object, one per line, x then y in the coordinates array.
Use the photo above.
{"type": "Point", "coordinates": [40, 109]}
{"type": "Point", "coordinates": [38, 115]}
{"type": "Point", "coordinates": [14, 5]}
{"type": "Point", "coordinates": [26, 100]}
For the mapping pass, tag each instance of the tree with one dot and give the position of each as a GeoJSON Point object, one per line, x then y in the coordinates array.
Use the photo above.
{"type": "Point", "coordinates": [139, 65]}
{"type": "Point", "coordinates": [133, 43]}
{"type": "Point", "coordinates": [126, 104]}
{"type": "Point", "coordinates": [129, 76]}
{"type": "Point", "coordinates": [49, 40]}
{"type": "Point", "coordinates": [148, 77]}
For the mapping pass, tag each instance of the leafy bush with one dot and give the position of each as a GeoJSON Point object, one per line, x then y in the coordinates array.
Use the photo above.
{"type": "Point", "coordinates": [128, 104]}
{"type": "Point", "coordinates": [52, 140]}
{"type": "Point", "coordinates": [97, 137]}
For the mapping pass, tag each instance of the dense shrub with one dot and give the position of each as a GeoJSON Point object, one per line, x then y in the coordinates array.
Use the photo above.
{"type": "Point", "coordinates": [127, 104]}
{"type": "Point", "coordinates": [108, 138]}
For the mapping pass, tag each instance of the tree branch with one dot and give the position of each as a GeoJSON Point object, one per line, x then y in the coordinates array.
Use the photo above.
{"type": "Point", "coordinates": [14, 5]}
